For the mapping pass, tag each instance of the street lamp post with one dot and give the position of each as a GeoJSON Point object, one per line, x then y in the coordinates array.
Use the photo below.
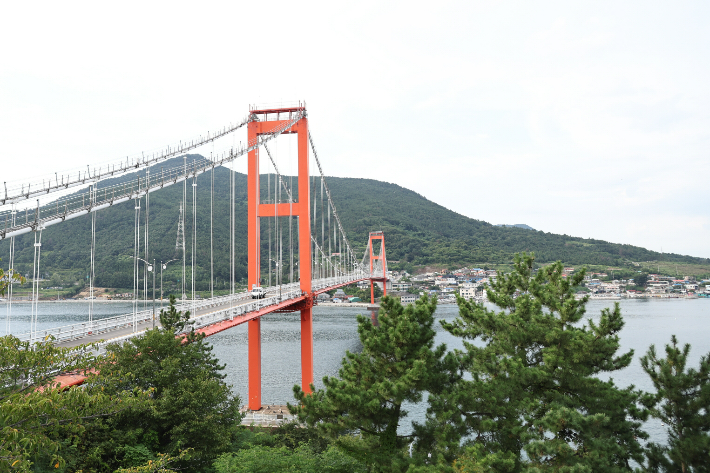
{"type": "Point", "coordinates": [278, 275]}
{"type": "Point", "coordinates": [162, 267]}
{"type": "Point", "coordinates": [151, 269]}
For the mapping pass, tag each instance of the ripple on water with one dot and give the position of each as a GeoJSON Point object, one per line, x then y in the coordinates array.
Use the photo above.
{"type": "Point", "coordinates": [335, 332]}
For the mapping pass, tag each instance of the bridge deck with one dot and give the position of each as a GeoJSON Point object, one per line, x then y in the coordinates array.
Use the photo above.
{"type": "Point", "coordinates": [224, 314]}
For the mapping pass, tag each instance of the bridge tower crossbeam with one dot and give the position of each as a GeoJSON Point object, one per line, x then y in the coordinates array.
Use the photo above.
{"type": "Point", "coordinates": [262, 123]}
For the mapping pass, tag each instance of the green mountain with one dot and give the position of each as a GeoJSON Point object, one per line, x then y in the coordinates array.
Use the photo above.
{"type": "Point", "coordinates": [418, 232]}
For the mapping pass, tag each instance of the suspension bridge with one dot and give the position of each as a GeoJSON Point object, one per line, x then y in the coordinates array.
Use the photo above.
{"type": "Point", "coordinates": [317, 252]}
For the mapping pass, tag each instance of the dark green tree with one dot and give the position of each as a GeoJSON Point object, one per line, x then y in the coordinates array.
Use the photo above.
{"type": "Point", "coordinates": [397, 364]}
{"type": "Point", "coordinates": [302, 459]}
{"type": "Point", "coordinates": [35, 410]}
{"type": "Point", "coordinates": [526, 393]}
{"type": "Point", "coordinates": [192, 405]}
{"type": "Point", "coordinates": [641, 279]}
{"type": "Point", "coordinates": [682, 402]}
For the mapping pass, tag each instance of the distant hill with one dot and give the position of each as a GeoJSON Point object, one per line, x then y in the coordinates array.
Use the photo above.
{"type": "Point", "coordinates": [418, 232]}
{"type": "Point", "coordinates": [516, 225]}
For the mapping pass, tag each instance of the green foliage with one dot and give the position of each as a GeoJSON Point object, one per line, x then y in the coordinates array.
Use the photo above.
{"type": "Point", "coordinates": [475, 459]}
{"type": "Point", "coordinates": [33, 409]}
{"type": "Point", "coordinates": [364, 294]}
{"type": "Point", "coordinates": [532, 388]}
{"type": "Point", "coordinates": [293, 435]}
{"type": "Point", "coordinates": [641, 279]}
{"type": "Point", "coordinates": [173, 321]}
{"type": "Point", "coordinates": [682, 402]}
{"type": "Point", "coordinates": [264, 459]}
{"type": "Point", "coordinates": [161, 463]}
{"type": "Point", "coordinates": [7, 278]}
{"type": "Point", "coordinates": [191, 405]}
{"type": "Point", "coordinates": [396, 365]}
{"type": "Point", "coordinates": [290, 447]}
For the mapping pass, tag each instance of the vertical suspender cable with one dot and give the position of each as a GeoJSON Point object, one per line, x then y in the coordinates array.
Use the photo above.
{"type": "Point", "coordinates": [290, 212]}
{"type": "Point", "coordinates": [34, 279]}
{"type": "Point", "coordinates": [136, 250]}
{"type": "Point", "coordinates": [35, 293]}
{"type": "Point", "coordinates": [290, 233]}
{"type": "Point", "coordinates": [10, 272]}
{"type": "Point", "coordinates": [322, 229]}
{"type": "Point", "coordinates": [277, 192]}
{"type": "Point", "coordinates": [281, 246]}
{"type": "Point", "coordinates": [314, 255]}
{"type": "Point", "coordinates": [145, 266]}
{"type": "Point", "coordinates": [268, 193]}
{"type": "Point", "coordinates": [92, 200]}
{"type": "Point", "coordinates": [194, 236]}
{"type": "Point", "coordinates": [234, 233]}
{"type": "Point", "coordinates": [231, 240]}
{"type": "Point", "coordinates": [231, 244]}
{"type": "Point", "coordinates": [211, 236]}
{"type": "Point", "coordinates": [257, 241]}
{"type": "Point", "coordinates": [231, 232]}
{"type": "Point", "coordinates": [184, 207]}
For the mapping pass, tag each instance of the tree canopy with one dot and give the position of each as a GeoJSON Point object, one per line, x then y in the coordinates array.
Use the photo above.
{"type": "Point", "coordinates": [398, 362]}
{"type": "Point", "coordinates": [34, 408]}
{"type": "Point", "coordinates": [191, 404]}
{"type": "Point", "coordinates": [682, 402]}
{"type": "Point", "coordinates": [526, 393]}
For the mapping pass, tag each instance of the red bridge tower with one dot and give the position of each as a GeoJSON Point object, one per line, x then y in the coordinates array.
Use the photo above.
{"type": "Point", "coordinates": [300, 209]}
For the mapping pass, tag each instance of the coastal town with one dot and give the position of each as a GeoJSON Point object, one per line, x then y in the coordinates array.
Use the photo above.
{"type": "Point", "coordinates": [471, 283]}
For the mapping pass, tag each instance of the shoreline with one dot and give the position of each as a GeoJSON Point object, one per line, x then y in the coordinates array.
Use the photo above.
{"type": "Point", "coordinates": [367, 305]}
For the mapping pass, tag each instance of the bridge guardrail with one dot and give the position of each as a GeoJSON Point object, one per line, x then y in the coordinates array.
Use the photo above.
{"type": "Point", "coordinates": [209, 319]}
{"type": "Point", "coordinates": [73, 331]}
{"type": "Point", "coordinates": [108, 324]}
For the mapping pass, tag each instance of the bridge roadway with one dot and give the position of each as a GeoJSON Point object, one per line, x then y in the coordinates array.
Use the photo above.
{"type": "Point", "coordinates": [209, 319]}
{"type": "Point", "coordinates": [208, 316]}
{"type": "Point", "coordinates": [126, 330]}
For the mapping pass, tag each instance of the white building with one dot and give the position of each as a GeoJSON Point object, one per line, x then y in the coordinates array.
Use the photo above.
{"type": "Point", "coordinates": [408, 299]}
{"type": "Point", "coordinates": [401, 286]}
{"type": "Point", "coordinates": [468, 293]}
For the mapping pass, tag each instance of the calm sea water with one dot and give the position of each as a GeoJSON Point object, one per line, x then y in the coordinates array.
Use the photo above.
{"type": "Point", "coordinates": [335, 331]}
{"type": "Point", "coordinates": [57, 314]}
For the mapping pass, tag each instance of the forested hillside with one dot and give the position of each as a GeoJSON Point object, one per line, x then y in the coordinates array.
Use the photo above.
{"type": "Point", "coordinates": [418, 233]}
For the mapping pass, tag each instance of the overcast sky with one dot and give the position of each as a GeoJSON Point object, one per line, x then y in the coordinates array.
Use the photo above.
{"type": "Point", "coordinates": [589, 119]}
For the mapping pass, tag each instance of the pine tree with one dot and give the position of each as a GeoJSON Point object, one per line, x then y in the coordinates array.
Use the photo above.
{"type": "Point", "coordinates": [192, 406]}
{"type": "Point", "coordinates": [526, 392]}
{"type": "Point", "coordinates": [396, 365]}
{"type": "Point", "coordinates": [682, 402]}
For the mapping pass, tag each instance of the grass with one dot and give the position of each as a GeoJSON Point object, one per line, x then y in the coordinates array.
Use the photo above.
{"type": "Point", "coordinates": [673, 269]}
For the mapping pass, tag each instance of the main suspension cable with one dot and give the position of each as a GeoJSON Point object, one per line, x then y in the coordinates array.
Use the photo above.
{"type": "Point", "coordinates": [16, 194]}
{"type": "Point", "coordinates": [327, 190]}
